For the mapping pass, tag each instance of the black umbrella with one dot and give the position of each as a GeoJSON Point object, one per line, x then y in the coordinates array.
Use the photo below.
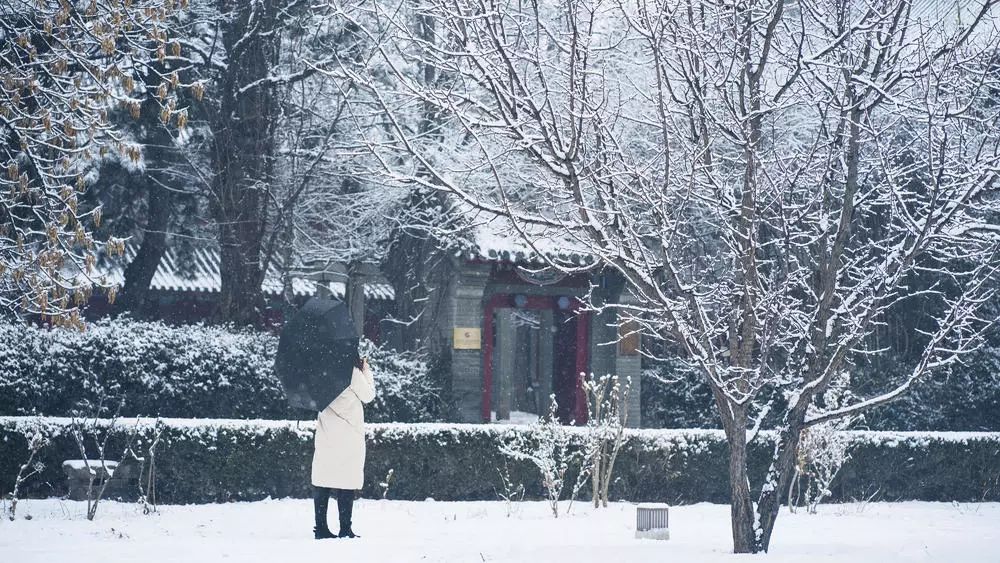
{"type": "Point", "coordinates": [317, 352]}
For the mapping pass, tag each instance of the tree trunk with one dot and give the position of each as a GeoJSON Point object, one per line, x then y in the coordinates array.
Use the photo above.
{"type": "Point", "coordinates": [242, 158]}
{"type": "Point", "coordinates": [139, 272]}
{"type": "Point", "coordinates": [420, 276]}
{"type": "Point", "coordinates": [778, 479]}
{"type": "Point", "coordinates": [241, 300]}
{"type": "Point", "coordinates": [287, 254]}
{"type": "Point", "coordinates": [740, 504]}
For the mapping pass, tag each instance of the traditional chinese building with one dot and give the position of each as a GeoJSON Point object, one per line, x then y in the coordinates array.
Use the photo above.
{"type": "Point", "coordinates": [515, 331]}
{"type": "Point", "coordinates": [505, 331]}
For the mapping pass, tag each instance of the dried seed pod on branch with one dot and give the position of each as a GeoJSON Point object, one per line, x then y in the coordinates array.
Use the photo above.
{"type": "Point", "coordinates": [63, 65]}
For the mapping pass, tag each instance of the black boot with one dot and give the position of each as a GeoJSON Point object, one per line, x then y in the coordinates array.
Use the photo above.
{"type": "Point", "coordinates": [321, 500]}
{"type": "Point", "coordinates": [345, 506]}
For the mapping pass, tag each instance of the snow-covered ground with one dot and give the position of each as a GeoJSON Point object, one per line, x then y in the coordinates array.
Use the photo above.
{"type": "Point", "coordinates": [468, 532]}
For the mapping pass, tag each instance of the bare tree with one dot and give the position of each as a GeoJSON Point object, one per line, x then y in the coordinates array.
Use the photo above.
{"type": "Point", "coordinates": [607, 417]}
{"type": "Point", "coordinates": [271, 122]}
{"type": "Point", "coordinates": [768, 176]}
{"type": "Point", "coordinates": [333, 218]}
{"type": "Point", "coordinates": [36, 441]}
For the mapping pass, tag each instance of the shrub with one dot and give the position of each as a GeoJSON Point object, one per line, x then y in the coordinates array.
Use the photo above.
{"type": "Point", "coordinates": [675, 397]}
{"type": "Point", "coordinates": [187, 371]}
{"type": "Point", "coordinates": [965, 397]}
{"type": "Point", "coordinates": [220, 460]}
{"type": "Point", "coordinates": [405, 390]}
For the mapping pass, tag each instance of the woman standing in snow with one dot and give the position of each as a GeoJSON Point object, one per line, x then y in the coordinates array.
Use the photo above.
{"type": "Point", "coordinates": [339, 457]}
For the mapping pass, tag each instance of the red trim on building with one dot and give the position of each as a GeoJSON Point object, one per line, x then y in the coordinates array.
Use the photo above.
{"type": "Point", "coordinates": [535, 302]}
{"type": "Point", "coordinates": [582, 355]}
{"type": "Point", "coordinates": [487, 359]}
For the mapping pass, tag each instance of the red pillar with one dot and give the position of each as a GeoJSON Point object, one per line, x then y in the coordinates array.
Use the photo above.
{"type": "Point", "coordinates": [582, 355]}
{"type": "Point", "coordinates": [491, 305]}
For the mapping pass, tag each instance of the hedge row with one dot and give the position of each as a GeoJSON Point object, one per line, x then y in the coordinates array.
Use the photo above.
{"type": "Point", "coordinates": [226, 460]}
{"type": "Point", "coordinates": [187, 371]}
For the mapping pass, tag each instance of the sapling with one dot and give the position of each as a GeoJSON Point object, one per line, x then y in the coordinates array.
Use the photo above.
{"type": "Point", "coordinates": [606, 396]}
{"type": "Point", "coordinates": [79, 427]}
{"type": "Point", "coordinates": [36, 441]}
{"type": "Point", "coordinates": [510, 492]}
{"type": "Point", "coordinates": [147, 490]}
{"type": "Point", "coordinates": [547, 447]}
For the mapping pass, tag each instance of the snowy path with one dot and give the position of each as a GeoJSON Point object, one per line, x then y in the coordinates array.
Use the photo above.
{"type": "Point", "coordinates": [396, 531]}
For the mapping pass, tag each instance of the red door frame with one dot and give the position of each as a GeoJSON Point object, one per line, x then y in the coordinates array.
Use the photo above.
{"type": "Point", "coordinates": [536, 302]}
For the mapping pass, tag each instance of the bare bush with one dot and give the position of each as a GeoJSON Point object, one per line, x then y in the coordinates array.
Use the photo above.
{"type": "Point", "coordinates": [547, 447]}
{"type": "Point", "coordinates": [36, 441]}
{"type": "Point", "coordinates": [607, 400]}
{"type": "Point", "coordinates": [100, 435]}
{"type": "Point", "coordinates": [511, 492]}
{"type": "Point", "coordinates": [823, 450]}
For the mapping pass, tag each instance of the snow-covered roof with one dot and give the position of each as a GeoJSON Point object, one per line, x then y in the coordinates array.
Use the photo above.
{"type": "Point", "coordinates": [200, 274]}
{"type": "Point", "coordinates": [493, 237]}
{"type": "Point", "coordinates": [373, 290]}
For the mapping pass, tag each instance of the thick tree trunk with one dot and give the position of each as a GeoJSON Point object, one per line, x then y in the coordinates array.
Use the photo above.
{"type": "Point", "coordinates": [740, 504]}
{"type": "Point", "coordinates": [420, 276]}
{"type": "Point", "coordinates": [241, 231]}
{"type": "Point", "coordinates": [243, 144]}
{"type": "Point", "coordinates": [139, 272]}
{"type": "Point", "coordinates": [241, 300]}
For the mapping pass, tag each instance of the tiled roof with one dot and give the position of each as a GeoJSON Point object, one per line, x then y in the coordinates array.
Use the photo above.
{"type": "Point", "coordinates": [493, 237]}
{"type": "Point", "coordinates": [201, 275]}
{"type": "Point", "coordinates": [376, 291]}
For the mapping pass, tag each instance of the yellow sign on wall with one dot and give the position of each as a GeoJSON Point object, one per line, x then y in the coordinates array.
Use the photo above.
{"type": "Point", "coordinates": [629, 341]}
{"type": "Point", "coordinates": [466, 339]}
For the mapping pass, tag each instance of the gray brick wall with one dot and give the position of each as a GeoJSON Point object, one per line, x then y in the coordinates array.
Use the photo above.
{"type": "Point", "coordinates": [602, 332]}
{"type": "Point", "coordinates": [605, 359]}
{"type": "Point", "coordinates": [631, 366]}
{"type": "Point", "coordinates": [465, 309]}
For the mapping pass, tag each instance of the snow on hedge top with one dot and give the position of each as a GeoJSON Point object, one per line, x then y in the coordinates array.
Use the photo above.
{"type": "Point", "coordinates": [665, 439]}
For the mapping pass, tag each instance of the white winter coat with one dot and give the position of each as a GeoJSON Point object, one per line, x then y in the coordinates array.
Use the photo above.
{"type": "Point", "coordinates": [339, 455]}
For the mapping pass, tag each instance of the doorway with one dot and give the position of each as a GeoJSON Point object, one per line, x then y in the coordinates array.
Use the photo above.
{"type": "Point", "coordinates": [535, 349]}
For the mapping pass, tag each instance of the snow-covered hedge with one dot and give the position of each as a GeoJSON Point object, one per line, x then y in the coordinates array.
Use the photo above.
{"type": "Point", "coordinates": [222, 460]}
{"type": "Point", "coordinates": [188, 371]}
{"type": "Point", "coordinates": [406, 392]}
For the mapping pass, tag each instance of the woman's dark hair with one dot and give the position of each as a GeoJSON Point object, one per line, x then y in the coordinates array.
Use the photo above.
{"type": "Point", "coordinates": [358, 361]}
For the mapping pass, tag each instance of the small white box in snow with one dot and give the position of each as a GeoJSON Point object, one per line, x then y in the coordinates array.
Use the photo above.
{"type": "Point", "coordinates": [651, 522]}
